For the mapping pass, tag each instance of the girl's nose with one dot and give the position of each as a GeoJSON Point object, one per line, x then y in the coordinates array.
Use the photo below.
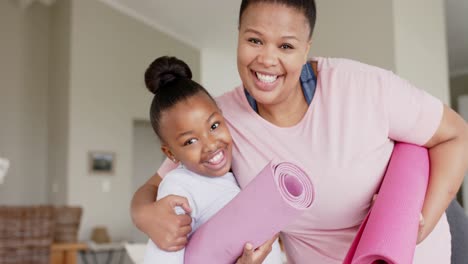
{"type": "Point", "coordinates": [210, 144]}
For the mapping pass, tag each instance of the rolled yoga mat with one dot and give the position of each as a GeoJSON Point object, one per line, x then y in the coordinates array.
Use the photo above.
{"type": "Point", "coordinates": [271, 201]}
{"type": "Point", "coordinates": [390, 230]}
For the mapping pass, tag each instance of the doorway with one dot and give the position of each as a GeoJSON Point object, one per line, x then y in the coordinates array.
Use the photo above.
{"type": "Point", "coordinates": [147, 157]}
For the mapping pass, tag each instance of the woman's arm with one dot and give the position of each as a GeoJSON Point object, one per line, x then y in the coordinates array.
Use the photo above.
{"type": "Point", "coordinates": [168, 230]}
{"type": "Point", "coordinates": [157, 219]}
{"type": "Point", "coordinates": [448, 153]}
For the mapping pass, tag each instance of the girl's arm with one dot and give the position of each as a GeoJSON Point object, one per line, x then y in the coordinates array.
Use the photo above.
{"type": "Point", "coordinates": [448, 153]}
{"type": "Point", "coordinates": [153, 254]}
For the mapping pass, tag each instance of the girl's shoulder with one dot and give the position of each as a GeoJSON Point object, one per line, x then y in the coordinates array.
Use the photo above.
{"type": "Point", "coordinates": [176, 181]}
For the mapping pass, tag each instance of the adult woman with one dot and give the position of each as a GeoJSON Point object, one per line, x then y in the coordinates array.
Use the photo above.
{"type": "Point", "coordinates": [338, 118]}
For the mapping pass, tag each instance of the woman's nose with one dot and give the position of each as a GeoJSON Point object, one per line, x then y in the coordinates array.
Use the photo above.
{"type": "Point", "coordinates": [268, 56]}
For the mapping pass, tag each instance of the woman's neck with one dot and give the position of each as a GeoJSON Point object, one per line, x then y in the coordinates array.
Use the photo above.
{"type": "Point", "coordinates": [287, 113]}
{"type": "Point", "coordinates": [291, 111]}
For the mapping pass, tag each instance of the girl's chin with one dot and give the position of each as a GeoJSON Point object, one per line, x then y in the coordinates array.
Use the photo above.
{"type": "Point", "coordinates": [218, 169]}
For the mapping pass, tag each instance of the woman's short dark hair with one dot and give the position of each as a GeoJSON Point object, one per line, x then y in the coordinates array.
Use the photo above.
{"type": "Point", "coordinates": [306, 6]}
{"type": "Point", "coordinates": [170, 80]}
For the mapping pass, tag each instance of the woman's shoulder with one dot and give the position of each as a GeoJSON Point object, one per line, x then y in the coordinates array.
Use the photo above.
{"type": "Point", "coordinates": [229, 95]}
{"type": "Point", "coordinates": [346, 65]}
{"type": "Point", "coordinates": [233, 100]}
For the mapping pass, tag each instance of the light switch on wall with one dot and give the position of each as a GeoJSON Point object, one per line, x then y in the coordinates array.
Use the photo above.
{"type": "Point", "coordinates": [55, 187]}
{"type": "Point", "coordinates": [4, 165]}
{"type": "Point", "coordinates": [106, 186]}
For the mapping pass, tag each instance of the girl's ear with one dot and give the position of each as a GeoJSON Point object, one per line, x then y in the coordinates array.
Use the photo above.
{"type": "Point", "coordinates": [165, 149]}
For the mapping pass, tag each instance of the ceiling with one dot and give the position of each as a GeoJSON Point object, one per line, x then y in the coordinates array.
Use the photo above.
{"type": "Point", "coordinates": [212, 23]}
{"type": "Point", "coordinates": [202, 23]}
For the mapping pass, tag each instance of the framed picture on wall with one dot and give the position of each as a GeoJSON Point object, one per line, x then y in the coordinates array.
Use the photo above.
{"type": "Point", "coordinates": [101, 162]}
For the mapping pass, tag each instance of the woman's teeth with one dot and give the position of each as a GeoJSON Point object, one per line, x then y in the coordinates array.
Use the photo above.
{"type": "Point", "coordinates": [217, 158]}
{"type": "Point", "coordinates": [266, 78]}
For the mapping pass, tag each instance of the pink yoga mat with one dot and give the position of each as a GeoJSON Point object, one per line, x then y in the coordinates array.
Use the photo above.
{"type": "Point", "coordinates": [271, 201]}
{"type": "Point", "coordinates": [389, 232]}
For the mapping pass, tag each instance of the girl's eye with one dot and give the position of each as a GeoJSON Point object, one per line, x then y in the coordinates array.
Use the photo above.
{"type": "Point", "coordinates": [214, 126]}
{"type": "Point", "coordinates": [190, 142]}
{"type": "Point", "coordinates": [286, 46]}
{"type": "Point", "coordinates": [255, 41]}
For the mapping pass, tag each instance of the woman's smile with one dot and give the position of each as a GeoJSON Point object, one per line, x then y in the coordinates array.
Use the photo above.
{"type": "Point", "coordinates": [266, 82]}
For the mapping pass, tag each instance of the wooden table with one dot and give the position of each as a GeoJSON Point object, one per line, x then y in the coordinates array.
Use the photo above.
{"type": "Point", "coordinates": [109, 249]}
{"type": "Point", "coordinates": [66, 253]}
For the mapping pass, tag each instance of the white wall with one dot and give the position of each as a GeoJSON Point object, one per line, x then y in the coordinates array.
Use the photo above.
{"type": "Point", "coordinates": [219, 69]}
{"type": "Point", "coordinates": [359, 30]}
{"type": "Point", "coordinates": [420, 45]}
{"type": "Point", "coordinates": [109, 54]}
{"type": "Point", "coordinates": [23, 101]}
{"type": "Point", "coordinates": [59, 100]}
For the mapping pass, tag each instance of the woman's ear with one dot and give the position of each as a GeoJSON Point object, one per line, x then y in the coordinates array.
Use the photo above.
{"type": "Point", "coordinates": [309, 44]}
{"type": "Point", "coordinates": [165, 149]}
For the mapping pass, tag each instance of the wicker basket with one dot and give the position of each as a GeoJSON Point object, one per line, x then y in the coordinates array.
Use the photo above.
{"type": "Point", "coordinates": [26, 234]}
{"type": "Point", "coordinates": [67, 223]}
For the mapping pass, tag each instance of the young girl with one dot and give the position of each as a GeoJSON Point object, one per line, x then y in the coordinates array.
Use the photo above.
{"type": "Point", "coordinates": [193, 134]}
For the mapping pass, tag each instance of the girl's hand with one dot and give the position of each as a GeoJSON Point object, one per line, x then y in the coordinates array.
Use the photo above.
{"type": "Point", "coordinates": [256, 256]}
{"type": "Point", "coordinates": [164, 227]}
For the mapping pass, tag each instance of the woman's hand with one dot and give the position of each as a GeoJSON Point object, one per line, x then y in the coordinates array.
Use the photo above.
{"type": "Point", "coordinates": [158, 219]}
{"type": "Point", "coordinates": [256, 256]}
{"type": "Point", "coordinates": [421, 222]}
{"type": "Point", "coordinates": [164, 227]}
{"type": "Point", "coordinates": [167, 229]}
{"type": "Point", "coordinates": [421, 229]}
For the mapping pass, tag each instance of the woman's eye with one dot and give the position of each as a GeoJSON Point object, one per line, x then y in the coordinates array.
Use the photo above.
{"type": "Point", "coordinates": [214, 126]}
{"type": "Point", "coordinates": [255, 41]}
{"type": "Point", "coordinates": [190, 142]}
{"type": "Point", "coordinates": [286, 46]}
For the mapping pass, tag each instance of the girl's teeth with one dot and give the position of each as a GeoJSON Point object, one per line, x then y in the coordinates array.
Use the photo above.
{"type": "Point", "coordinates": [216, 158]}
{"type": "Point", "coordinates": [266, 78]}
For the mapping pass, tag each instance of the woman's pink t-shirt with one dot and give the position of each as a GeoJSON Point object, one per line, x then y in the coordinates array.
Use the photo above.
{"type": "Point", "coordinates": [344, 143]}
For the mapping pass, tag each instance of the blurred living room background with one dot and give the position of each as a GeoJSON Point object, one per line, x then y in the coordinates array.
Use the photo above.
{"type": "Point", "coordinates": [74, 123]}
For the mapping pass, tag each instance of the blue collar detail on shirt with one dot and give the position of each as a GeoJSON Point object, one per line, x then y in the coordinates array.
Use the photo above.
{"type": "Point", "coordinates": [308, 82]}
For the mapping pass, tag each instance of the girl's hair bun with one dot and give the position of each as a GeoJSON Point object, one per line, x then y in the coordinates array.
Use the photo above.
{"type": "Point", "coordinates": [163, 71]}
